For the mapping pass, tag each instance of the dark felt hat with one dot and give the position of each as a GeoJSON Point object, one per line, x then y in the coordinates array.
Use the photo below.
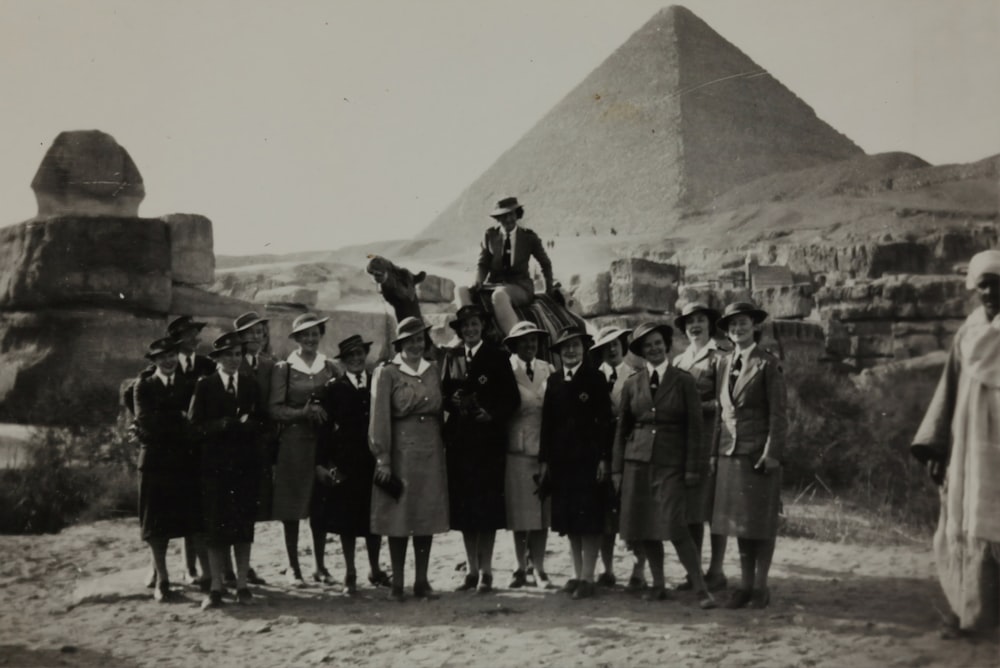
{"type": "Point", "coordinates": [408, 327]}
{"type": "Point", "coordinates": [741, 308]}
{"type": "Point", "coordinates": [167, 344]}
{"type": "Point", "coordinates": [692, 308]}
{"type": "Point", "coordinates": [181, 324]}
{"type": "Point", "coordinates": [247, 320]}
{"type": "Point", "coordinates": [352, 342]}
{"type": "Point", "coordinates": [225, 342]}
{"type": "Point", "coordinates": [506, 205]}
{"type": "Point", "coordinates": [466, 312]}
{"type": "Point", "coordinates": [647, 328]}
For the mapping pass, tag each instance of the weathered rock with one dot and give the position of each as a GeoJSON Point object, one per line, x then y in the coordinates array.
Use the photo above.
{"type": "Point", "coordinates": [328, 295]}
{"type": "Point", "coordinates": [918, 338]}
{"type": "Point", "coordinates": [192, 255]}
{"type": "Point", "coordinates": [109, 262]}
{"type": "Point", "coordinates": [638, 285]}
{"type": "Point", "coordinates": [287, 294]}
{"type": "Point", "coordinates": [590, 295]}
{"type": "Point", "coordinates": [710, 295]}
{"type": "Point", "coordinates": [198, 302]}
{"type": "Point", "coordinates": [64, 366]}
{"type": "Point", "coordinates": [904, 297]}
{"type": "Point", "coordinates": [436, 289]}
{"type": "Point", "coordinates": [786, 301]}
{"type": "Point", "coordinates": [87, 173]}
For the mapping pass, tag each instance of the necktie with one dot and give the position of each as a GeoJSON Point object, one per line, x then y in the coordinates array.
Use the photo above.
{"type": "Point", "coordinates": [613, 377]}
{"type": "Point", "coordinates": [253, 361]}
{"type": "Point", "coordinates": [506, 251]}
{"type": "Point", "coordinates": [530, 371]}
{"type": "Point", "coordinates": [231, 386]}
{"type": "Point", "coordinates": [654, 380]}
{"type": "Point", "coordinates": [170, 381]}
{"type": "Point", "coordinates": [569, 375]}
{"type": "Point", "coordinates": [735, 372]}
{"type": "Point", "coordinates": [187, 365]}
{"type": "Point", "coordinates": [360, 380]}
{"type": "Point", "coordinates": [468, 355]}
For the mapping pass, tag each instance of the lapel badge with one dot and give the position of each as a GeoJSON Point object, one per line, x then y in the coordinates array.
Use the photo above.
{"type": "Point", "coordinates": [584, 396]}
{"type": "Point", "coordinates": [482, 379]}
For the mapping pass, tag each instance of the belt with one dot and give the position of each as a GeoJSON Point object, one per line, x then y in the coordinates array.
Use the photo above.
{"type": "Point", "coordinates": [418, 418]}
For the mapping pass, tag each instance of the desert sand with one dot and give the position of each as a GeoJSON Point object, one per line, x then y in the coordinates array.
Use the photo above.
{"type": "Point", "coordinates": [77, 599]}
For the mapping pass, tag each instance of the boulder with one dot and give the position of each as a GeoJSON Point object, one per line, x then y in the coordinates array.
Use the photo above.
{"type": "Point", "coordinates": [64, 366]}
{"type": "Point", "coordinates": [192, 258]}
{"type": "Point", "coordinates": [287, 294]}
{"type": "Point", "coordinates": [119, 263]}
{"type": "Point", "coordinates": [189, 300]}
{"type": "Point", "coordinates": [643, 285]}
{"type": "Point", "coordinates": [918, 338]}
{"type": "Point", "coordinates": [436, 289]}
{"type": "Point", "coordinates": [786, 301]}
{"type": "Point", "coordinates": [87, 173]}
{"type": "Point", "coordinates": [590, 294]}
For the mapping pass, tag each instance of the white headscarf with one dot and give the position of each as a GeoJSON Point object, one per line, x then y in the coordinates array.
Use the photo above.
{"type": "Point", "coordinates": [985, 262]}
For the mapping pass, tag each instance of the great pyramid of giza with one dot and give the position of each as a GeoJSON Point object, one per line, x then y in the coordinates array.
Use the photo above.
{"type": "Point", "coordinates": [673, 118]}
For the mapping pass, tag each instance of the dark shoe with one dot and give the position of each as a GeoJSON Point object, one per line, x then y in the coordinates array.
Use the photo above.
{"type": "Point", "coordinates": [606, 580]}
{"type": "Point", "coordinates": [244, 596]}
{"type": "Point", "coordinates": [706, 601]}
{"type": "Point", "coordinates": [759, 598]}
{"type": "Point", "coordinates": [951, 628]}
{"type": "Point", "coordinates": [544, 582]}
{"type": "Point", "coordinates": [685, 586]}
{"type": "Point", "coordinates": [518, 580]}
{"type": "Point", "coordinates": [583, 590]}
{"type": "Point", "coordinates": [715, 582]}
{"type": "Point", "coordinates": [635, 585]}
{"type": "Point", "coordinates": [529, 577]}
{"type": "Point", "coordinates": [397, 594]}
{"type": "Point", "coordinates": [486, 583]}
{"type": "Point", "coordinates": [471, 581]}
{"type": "Point", "coordinates": [162, 593]}
{"type": "Point", "coordinates": [151, 580]}
{"type": "Point", "coordinates": [213, 600]}
{"type": "Point", "coordinates": [423, 590]}
{"type": "Point", "coordinates": [351, 584]}
{"type": "Point", "coordinates": [295, 579]}
{"type": "Point", "coordinates": [323, 577]}
{"type": "Point", "coordinates": [656, 593]}
{"type": "Point", "coordinates": [204, 584]}
{"type": "Point", "coordinates": [379, 579]}
{"type": "Point", "coordinates": [254, 579]}
{"type": "Point", "coordinates": [738, 599]}
{"type": "Point", "coordinates": [571, 586]}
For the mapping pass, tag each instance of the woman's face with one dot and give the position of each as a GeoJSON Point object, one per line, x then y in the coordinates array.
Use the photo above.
{"type": "Point", "coordinates": [253, 338]}
{"type": "Point", "coordinates": [508, 220]}
{"type": "Point", "coordinates": [571, 352]}
{"type": "Point", "coordinates": [308, 339]}
{"type": "Point", "coordinates": [166, 363]}
{"type": "Point", "coordinates": [354, 360]}
{"type": "Point", "coordinates": [654, 348]}
{"type": "Point", "coordinates": [526, 347]}
{"type": "Point", "coordinates": [412, 348]}
{"type": "Point", "coordinates": [613, 354]}
{"type": "Point", "coordinates": [740, 330]}
{"type": "Point", "coordinates": [471, 331]}
{"type": "Point", "coordinates": [230, 360]}
{"type": "Point", "coordinates": [696, 327]}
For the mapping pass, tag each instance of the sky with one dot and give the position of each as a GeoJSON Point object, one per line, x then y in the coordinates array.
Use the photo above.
{"type": "Point", "coordinates": [309, 125]}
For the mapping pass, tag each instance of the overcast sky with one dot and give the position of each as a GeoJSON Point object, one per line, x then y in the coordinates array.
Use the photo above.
{"type": "Point", "coordinates": [312, 125]}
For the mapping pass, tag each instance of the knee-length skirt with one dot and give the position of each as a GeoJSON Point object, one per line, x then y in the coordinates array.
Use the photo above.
{"type": "Point", "coordinates": [169, 503]}
{"type": "Point", "coordinates": [699, 499]}
{"type": "Point", "coordinates": [652, 502]}
{"type": "Point", "coordinates": [294, 473]}
{"type": "Point", "coordinates": [747, 502]}
{"type": "Point", "coordinates": [525, 511]}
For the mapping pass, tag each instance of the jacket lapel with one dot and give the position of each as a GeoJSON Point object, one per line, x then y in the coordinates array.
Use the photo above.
{"type": "Point", "coordinates": [666, 383]}
{"type": "Point", "coordinates": [753, 367]}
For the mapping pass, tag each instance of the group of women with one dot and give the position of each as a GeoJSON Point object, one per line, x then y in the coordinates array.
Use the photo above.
{"type": "Point", "coordinates": [478, 440]}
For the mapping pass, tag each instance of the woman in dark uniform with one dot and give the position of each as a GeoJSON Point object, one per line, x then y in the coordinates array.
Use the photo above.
{"type": "Point", "coordinates": [168, 460]}
{"type": "Point", "coordinates": [749, 445]}
{"type": "Point", "coordinates": [701, 360]}
{"type": "Point", "coordinates": [575, 453]}
{"type": "Point", "coordinates": [482, 394]}
{"type": "Point", "coordinates": [410, 497]}
{"type": "Point", "coordinates": [658, 453]}
{"type": "Point", "coordinates": [225, 413]}
{"type": "Point", "coordinates": [345, 468]}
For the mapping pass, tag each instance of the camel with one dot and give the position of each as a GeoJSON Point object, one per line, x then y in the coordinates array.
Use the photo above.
{"type": "Point", "coordinates": [398, 287]}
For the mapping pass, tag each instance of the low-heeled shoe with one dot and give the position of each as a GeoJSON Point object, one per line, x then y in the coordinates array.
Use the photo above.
{"type": "Point", "coordinates": [584, 590]}
{"type": "Point", "coordinates": [213, 600]}
{"type": "Point", "coordinates": [471, 581]}
{"type": "Point", "coordinates": [760, 598]}
{"type": "Point", "coordinates": [425, 591]}
{"type": "Point", "coordinates": [518, 580]}
{"type": "Point", "coordinates": [571, 585]}
{"type": "Point", "coordinates": [486, 583]}
{"type": "Point", "coordinates": [738, 599]}
{"type": "Point", "coordinates": [656, 593]}
{"type": "Point", "coordinates": [244, 596]}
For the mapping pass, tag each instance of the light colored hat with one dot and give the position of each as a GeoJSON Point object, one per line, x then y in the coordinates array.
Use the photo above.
{"type": "Point", "coordinates": [606, 335]}
{"type": "Point", "coordinates": [523, 328]}
{"type": "Point", "coordinates": [247, 320]}
{"type": "Point", "coordinates": [985, 262]}
{"type": "Point", "coordinates": [409, 327]}
{"type": "Point", "coordinates": [306, 321]}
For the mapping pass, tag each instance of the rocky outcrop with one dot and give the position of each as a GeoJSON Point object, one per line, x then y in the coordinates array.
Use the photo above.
{"type": "Point", "coordinates": [192, 255]}
{"type": "Point", "coordinates": [638, 285]}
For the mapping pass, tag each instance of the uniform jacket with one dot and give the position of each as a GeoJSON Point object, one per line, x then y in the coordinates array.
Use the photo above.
{"type": "Point", "coordinates": [663, 429]}
{"type": "Point", "coordinates": [527, 244]}
{"type": "Point", "coordinates": [262, 376]}
{"type": "Point", "coordinates": [344, 437]}
{"type": "Point", "coordinates": [161, 423]}
{"type": "Point", "coordinates": [525, 428]}
{"type": "Point", "coordinates": [752, 420]}
{"type": "Point", "coordinates": [576, 418]}
{"type": "Point", "coordinates": [228, 442]}
{"type": "Point", "coordinates": [487, 382]}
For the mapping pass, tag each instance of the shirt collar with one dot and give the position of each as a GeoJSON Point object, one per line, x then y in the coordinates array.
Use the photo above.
{"type": "Point", "coordinates": [660, 370]}
{"type": "Point", "coordinates": [475, 348]}
{"type": "Point", "coordinates": [606, 369]}
{"type": "Point", "coordinates": [745, 354]}
{"type": "Point", "coordinates": [225, 378]}
{"type": "Point", "coordinates": [298, 364]}
{"type": "Point", "coordinates": [518, 363]}
{"type": "Point", "coordinates": [513, 232]}
{"type": "Point", "coordinates": [572, 370]}
{"type": "Point", "coordinates": [164, 379]}
{"type": "Point", "coordinates": [405, 368]}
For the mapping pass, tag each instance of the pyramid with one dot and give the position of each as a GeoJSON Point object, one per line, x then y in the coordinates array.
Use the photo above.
{"type": "Point", "coordinates": [675, 117]}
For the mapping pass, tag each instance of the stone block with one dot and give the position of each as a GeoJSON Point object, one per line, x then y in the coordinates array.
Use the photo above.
{"type": "Point", "coordinates": [590, 294]}
{"type": "Point", "coordinates": [786, 301]}
{"type": "Point", "coordinates": [192, 255]}
{"type": "Point", "coordinates": [287, 294]}
{"type": "Point", "coordinates": [328, 295]}
{"type": "Point", "coordinates": [902, 297]}
{"type": "Point", "coordinates": [64, 366]}
{"type": "Point", "coordinates": [121, 263]}
{"type": "Point", "coordinates": [917, 338]}
{"type": "Point", "coordinates": [189, 300]}
{"type": "Point", "coordinates": [641, 285]}
{"type": "Point", "coordinates": [436, 289]}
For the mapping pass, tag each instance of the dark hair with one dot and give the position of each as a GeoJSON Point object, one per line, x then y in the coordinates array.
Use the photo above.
{"type": "Point", "coordinates": [713, 331]}
{"type": "Point", "coordinates": [667, 341]}
{"type": "Point", "coordinates": [398, 345]}
{"type": "Point", "coordinates": [520, 212]}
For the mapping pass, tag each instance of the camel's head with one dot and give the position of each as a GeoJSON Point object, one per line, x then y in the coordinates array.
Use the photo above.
{"type": "Point", "coordinates": [397, 285]}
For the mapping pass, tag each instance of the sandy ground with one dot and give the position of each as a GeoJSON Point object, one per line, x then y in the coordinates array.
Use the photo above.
{"type": "Point", "coordinates": [77, 599]}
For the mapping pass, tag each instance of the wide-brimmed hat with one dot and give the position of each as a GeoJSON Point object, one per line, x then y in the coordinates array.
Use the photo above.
{"type": "Point", "coordinates": [409, 327]}
{"type": "Point", "coordinates": [506, 205]}
{"type": "Point", "coordinates": [225, 342]}
{"type": "Point", "coordinates": [647, 328]}
{"type": "Point", "coordinates": [568, 334]}
{"type": "Point", "coordinates": [306, 321]}
{"type": "Point", "coordinates": [167, 344]}
{"type": "Point", "coordinates": [606, 335]}
{"type": "Point", "coordinates": [741, 308]}
{"type": "Point", "coordinates": [466, 312]}
{"type": "Point", "coordinates": [352, 342]}
{"type": "Point", "coordinates": [692, 308]}
{"type": "Point", "coordinates": [523, 328]}
{"type": "Point", "coordinates": [181, 324]}
{"type": "Point", "coordinates": [247, 320]}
